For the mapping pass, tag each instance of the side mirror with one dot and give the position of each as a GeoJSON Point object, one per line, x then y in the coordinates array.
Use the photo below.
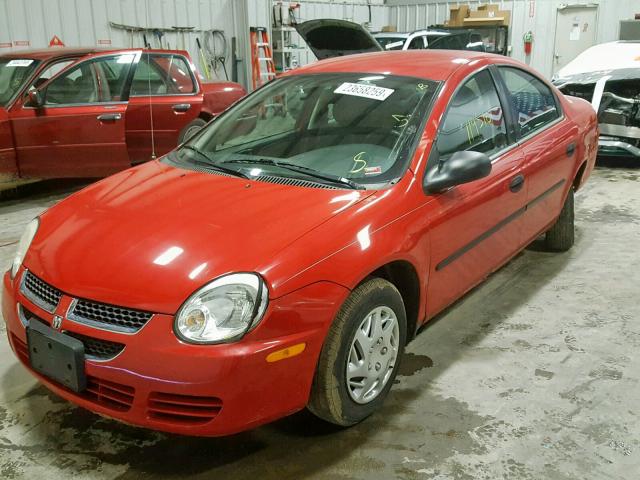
{"type": "Point", "coordinates": [461, 167]}
{"type": "Point", "coordinates": [36, 98]}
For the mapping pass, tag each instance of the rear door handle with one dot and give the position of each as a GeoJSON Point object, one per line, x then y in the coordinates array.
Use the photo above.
{"type": "Point", "coordinates": [181, 107]}
{"type": "Point", "coordinates": [571, 148]}
{"type": "Point", "coordinates": [110, 117]}
{"type": "Point", "coordinates": [516, 183]}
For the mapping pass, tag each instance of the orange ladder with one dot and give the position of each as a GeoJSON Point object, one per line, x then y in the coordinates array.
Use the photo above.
{"type": "Point", "coordinates": [261, 55]}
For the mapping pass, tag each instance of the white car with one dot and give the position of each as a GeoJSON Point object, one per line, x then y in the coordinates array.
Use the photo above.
{"type": "Point", "coordinates": [608, 76]}
{"type": "Point", "coordinates": [432, 38]}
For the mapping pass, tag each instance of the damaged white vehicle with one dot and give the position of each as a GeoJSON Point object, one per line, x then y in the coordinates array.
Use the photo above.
{"type": "Point", "coordinates": [608, 75]}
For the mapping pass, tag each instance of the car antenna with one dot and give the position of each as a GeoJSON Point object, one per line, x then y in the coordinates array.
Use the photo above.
{"type": "Point", "coordinates": [153, 143]}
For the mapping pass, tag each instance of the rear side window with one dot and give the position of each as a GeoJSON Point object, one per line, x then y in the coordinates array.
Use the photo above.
{"type": "Point", "coordinates": [533, 102]}
{"type": "Point", "coordinates": [416, 44]}
{"type": "Point", "coordinates": [447, 42]}
{"type": "Point", "coordinates": [163, 75]}
{"type": "Point", "coordinates": [474, 120]}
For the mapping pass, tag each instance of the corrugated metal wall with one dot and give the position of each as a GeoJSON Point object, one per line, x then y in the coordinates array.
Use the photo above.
{"type": "Point", "coordinates": [86, 22]}
{"type": "Point", "coordinates": [408, 15]}
{"type": "Point", "coordinates": [32, 23]}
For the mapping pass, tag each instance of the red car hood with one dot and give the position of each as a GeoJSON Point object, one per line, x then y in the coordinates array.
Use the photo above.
{"type": "Point", "coordinates": [150, 236]}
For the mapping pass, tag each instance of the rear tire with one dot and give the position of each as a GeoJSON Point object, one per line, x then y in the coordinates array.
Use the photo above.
{"type": "Point", "coordinates": [351, 382]}
{"type": "Point", "coordinates": [191, 129]}
{"type": "Point", "coordinates": [561, 236]}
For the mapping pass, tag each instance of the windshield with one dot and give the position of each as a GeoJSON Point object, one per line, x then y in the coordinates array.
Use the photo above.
{"type": "Point", "coordinates": [349, 128]}
{"type": "Point", "coordinates": [391, 43]}
{"type": "Point", "coordinates": [14, 72]}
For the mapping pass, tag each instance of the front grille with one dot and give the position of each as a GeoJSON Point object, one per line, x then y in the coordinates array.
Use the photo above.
{"type": "Point", "coordinates": [109, 317]}
{"type": "Point", "coordinates": [183, 409]}
{"type": "Point", "coordinates": [115, 396]}
{"type": "Point", "coordinates": [21, 349]}
{"type": "Point", "coordinates": [96, 349]}
{"type": "Point", "coordinates": [40, 292]}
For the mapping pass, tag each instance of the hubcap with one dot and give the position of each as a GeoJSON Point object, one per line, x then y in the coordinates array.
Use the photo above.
{"type": "Point", "coordinates": [373, 354]}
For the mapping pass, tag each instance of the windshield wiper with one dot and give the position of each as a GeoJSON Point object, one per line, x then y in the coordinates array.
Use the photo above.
{"type": "Point", "coordinates": [300, 169]}
{"type": "Point", "coordinates": [214, 166]}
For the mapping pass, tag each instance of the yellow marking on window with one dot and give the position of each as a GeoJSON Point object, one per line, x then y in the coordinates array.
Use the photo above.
{"type": "Point", "coordinates": [358, 160]}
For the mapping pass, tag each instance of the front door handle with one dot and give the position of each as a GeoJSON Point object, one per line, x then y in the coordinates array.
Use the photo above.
{"type": "Point", "coordinates": [516, 183]}
{"type": "Point", "coordinates": [110, 117]}
{"type": "Point", "coordinates": [571, 148]}
{"type": "Point", "coordinates": [181, 107]}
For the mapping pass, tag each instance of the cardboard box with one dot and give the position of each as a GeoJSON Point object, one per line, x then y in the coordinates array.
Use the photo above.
{"type": "Point", "coordinates": [457, 15]}
{"type": "Point", "coordinates": [489, 8]}
{"type": "Point", "coordinates": [488, 17]}
{"type": "Point", "coordinates": [389, 28]}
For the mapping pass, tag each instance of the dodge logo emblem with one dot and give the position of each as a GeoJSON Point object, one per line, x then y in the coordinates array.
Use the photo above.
{"type": "Point", "coordinates": [57, 322]}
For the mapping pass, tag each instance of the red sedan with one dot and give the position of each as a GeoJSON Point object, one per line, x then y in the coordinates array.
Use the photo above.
{"type": "Point", "coordinates": [68, 112]}
{"type": "Point", "coordinates": [283, 256]}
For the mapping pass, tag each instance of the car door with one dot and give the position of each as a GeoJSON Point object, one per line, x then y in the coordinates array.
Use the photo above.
{"type": "Point", "coordinates": [78, 130]}
{"type": "Point", "coordinates": [164, 98]}
{"type": "Point", "coordinates": [548, 143]}
{"type": "Point", "coordinates": [8, 165]}
{"type": "Point", "coordinates": [478, 225]}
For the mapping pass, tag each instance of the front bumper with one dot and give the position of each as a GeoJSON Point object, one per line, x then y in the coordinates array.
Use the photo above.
{"type": "Point", "coordinates": [612, 146]}
{"type": "Point", "coordinates": [161, 383]}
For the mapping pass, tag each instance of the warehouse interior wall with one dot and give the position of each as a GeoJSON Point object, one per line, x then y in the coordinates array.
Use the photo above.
{"type": "Point", "coordinates": [28, 24]}
{"type": "Point", "coordinates": [33, 23]}
{"type": "Point", "coordinates": [537, 16]}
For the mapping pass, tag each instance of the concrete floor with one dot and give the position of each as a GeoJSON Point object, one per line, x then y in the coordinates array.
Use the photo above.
{"type": "Point", "coordinates": [533, 375]}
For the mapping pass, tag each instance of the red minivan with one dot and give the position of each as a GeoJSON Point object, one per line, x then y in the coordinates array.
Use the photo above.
{"type": "Point", "coordinates": [89, 112]}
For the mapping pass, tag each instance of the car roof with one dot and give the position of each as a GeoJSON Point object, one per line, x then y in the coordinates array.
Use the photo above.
{"type": "Point", "coordinates": [391, 34]}
{"type": "Point", "coordinates": [47, 53]}
{"type": "Point", "coordinates": [429, 64]}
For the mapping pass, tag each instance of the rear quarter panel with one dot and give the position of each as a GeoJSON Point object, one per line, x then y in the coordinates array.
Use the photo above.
{"type": "Point", "coordinates": [582, 114]}
{"type": "Point", "coordinates": [218, 96]}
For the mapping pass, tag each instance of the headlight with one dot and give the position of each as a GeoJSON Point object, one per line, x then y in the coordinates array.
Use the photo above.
{"type": "Point", "coordinates": [223, 310]}
{"type": "Point", "coordinates": [23, 245]}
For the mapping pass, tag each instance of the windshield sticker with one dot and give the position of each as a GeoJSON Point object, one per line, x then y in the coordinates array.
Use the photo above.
{"type": "Point", "coordinates": [366, 91]}
{"type": "Point", "coordinates": [359, 163]}
{"type": "Point", "coordinates": [373, 170]}
{"type": "Point", "coordinates": [391, 45]}
{"type": "Point", "coordinates": [21, 62]}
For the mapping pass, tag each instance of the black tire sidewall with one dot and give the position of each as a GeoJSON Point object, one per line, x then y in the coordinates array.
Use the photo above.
{"type": "Point", "coordinates": [388, 296]}
{"type": "Point", "coordinates": [199, 122]}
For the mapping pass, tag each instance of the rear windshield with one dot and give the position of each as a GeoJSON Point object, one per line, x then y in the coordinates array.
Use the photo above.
{"type": "Point", "coordinates": [14, 73]}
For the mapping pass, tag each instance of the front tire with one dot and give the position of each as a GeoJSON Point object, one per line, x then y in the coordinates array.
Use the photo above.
{"type": "Point", "coordinates": [191, 129]}
{"type": "Point", "coordinates": [561, 236]}
{"type": "Point", "coordinates": [361, 354]}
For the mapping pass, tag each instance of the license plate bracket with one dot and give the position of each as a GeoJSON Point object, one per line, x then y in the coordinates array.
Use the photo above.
{"type": "Point", "coordinates": [56, 356]}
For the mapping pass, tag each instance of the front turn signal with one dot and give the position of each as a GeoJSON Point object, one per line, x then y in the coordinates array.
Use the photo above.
{"type": "Point", "coordinates": [285, 353]}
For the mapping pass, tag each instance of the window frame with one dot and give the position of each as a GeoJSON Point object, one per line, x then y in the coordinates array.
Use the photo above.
{"type": "Point", "coordinates": [510, 120]}
{"type": "Point", "coordinates": [197, 90]}
{"type": "Point", "coordinates": [507, 113]}
{"type": "Point", "coordinates": [498, 67]}
{"type": "Point", "coordinates": [79, 61]}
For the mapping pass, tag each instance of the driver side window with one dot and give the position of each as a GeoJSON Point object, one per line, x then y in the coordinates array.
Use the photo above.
{"type": "Point", "coordinates": [474, 120]}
